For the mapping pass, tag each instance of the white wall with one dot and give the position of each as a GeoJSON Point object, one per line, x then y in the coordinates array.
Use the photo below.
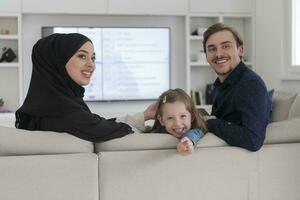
{"type": "Point", "coordinates": [31, 31]}
{"type": "Point", "coordinates": [270, 44]}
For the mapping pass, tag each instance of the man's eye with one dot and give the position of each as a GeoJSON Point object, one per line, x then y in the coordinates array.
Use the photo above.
{"type": "Point", "coordinates": [211, 49]}
{"type": "Point", "coordinates": [226, 46]}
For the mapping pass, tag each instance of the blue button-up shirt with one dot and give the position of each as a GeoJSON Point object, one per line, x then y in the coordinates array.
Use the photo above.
{"type": "Point", "coordinates": [242, 107]}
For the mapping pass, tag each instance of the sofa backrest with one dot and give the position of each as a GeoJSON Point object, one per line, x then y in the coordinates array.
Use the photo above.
{"type": "Point", "coordinates": [283, 106]}
{"type": "Point", "coordinates": [23, 142]}
{"type": "Point", "coordinates": [295, 108]}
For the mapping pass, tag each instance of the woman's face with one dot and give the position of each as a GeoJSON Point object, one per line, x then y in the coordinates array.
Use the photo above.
{"type": "Point", "coordinates": [81, 65]}
{"type": "Point", "coordinates": [175, 118]}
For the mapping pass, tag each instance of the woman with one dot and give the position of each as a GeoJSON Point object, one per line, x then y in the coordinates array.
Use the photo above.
{"type": "Point", "coordinates": [62, 64]}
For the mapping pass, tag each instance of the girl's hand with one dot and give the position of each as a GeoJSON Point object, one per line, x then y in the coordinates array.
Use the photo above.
{"type": "Point", "coordinates": [150, 111]}
{"type": "Point", "coordinates": [185, 146]}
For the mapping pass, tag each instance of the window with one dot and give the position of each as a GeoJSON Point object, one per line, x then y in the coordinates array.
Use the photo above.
{"type": "Point", "coordinates": [296, 33]}
{"type": "Point", "coordinates": [291, 52]}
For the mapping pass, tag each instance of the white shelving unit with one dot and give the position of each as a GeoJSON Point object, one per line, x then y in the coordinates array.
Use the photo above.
{"type": "Point", "coordinates": [199, 73]}
{"type": "Point", "coordinates": [11, 72]}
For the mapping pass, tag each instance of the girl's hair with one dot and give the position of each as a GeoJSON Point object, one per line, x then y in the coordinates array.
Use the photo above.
{"type": "Point", "coordinates": [171, 96]}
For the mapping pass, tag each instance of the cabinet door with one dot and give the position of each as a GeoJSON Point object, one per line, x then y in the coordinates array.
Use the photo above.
{"type": "Point", "coordinates": [10, 6]}
{"type": "Point", "coordinates": [228, 6]}
{"type": "Point", "coordinates": [165, 7]}
{"type": "Point", "coordinates": [65, 6]}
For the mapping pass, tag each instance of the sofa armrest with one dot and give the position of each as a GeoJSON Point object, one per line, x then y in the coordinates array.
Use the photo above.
{"type": "Point", "coordinates": [286, 131]}
{"type": "Point", "coordinates": [23, 142]}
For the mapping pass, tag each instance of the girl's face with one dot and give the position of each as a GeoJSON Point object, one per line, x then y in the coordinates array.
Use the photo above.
{"type": "Point", "coordinates": [81, 65]}
{"type": "Point", "coordinates": [175, 118]}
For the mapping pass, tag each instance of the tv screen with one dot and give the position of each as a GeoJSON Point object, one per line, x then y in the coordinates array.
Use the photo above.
{"type": "Point", "coordinates": [131, 63]}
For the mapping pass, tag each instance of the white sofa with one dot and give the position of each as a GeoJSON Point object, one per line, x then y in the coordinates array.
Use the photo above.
{"type": "Point", "coordinates": [36, 165]}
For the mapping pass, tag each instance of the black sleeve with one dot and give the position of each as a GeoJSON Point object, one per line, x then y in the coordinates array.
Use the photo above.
{"type": "Point", "coordinates": [87, 126]}
{"type": "Point", "coordinates": [254, 106]}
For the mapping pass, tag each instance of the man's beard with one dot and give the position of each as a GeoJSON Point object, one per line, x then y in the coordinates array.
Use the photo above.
{"type": "Point", "coordinates": [224, 73]}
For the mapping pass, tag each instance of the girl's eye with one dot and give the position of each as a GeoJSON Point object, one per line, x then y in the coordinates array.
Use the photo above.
{"type": "Point", "coordinates": [183, 116]}
{"type": "Point", "coordinates": [169, 118]}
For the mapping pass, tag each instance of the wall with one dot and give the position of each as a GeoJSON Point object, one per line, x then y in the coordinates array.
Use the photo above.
{"type": "Point", "coordinates": [270, 44]}
{"type": "Point", "coordinates": [31, 31]}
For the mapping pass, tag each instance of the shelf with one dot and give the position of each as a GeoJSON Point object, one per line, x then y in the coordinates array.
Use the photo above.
{"type": "Point", "coordinates": [249, 64]}
{"type": "Point", "coordinates": [207, 107]}
{"type": "Point", "coordinates": [199, 64]}
{"type": "Point", "coordinates": [9, 65]}
{"type": "Point", "coordinates": [9, 37]}
{"type": "Point", "coordinates": [196, 37]}
{"type": "Point", "coordinates": [10, 72]}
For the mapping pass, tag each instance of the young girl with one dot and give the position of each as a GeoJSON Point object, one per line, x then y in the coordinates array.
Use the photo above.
{"type": "Point", "coordinates": [177, 115]}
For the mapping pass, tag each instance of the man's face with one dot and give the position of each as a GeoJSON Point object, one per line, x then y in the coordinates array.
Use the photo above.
{"type": "Point", "coordinates": [222, 53]}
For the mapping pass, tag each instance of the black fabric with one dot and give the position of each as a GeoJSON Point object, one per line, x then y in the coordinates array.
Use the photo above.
{"type": "Point", "coordinates": [54, 101]}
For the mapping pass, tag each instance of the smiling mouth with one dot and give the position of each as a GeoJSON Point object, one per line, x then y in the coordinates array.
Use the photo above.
{"type": "Point", "coordinates": [221, 61]}
{"type": "Point", "coordinates": [87, 74]}
{"type": "Point", "coordinates": [179, 131]}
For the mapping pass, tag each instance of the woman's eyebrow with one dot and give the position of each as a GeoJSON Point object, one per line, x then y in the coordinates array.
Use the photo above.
{"type": "Point", "coordinates": [84, 51]}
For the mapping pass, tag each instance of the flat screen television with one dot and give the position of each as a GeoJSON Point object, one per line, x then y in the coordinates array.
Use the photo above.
{"type": "Point", "coordinates": [131, 63]}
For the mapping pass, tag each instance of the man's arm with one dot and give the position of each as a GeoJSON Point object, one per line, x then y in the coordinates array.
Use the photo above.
{"type": "Point", "coordinates": [254, 108]}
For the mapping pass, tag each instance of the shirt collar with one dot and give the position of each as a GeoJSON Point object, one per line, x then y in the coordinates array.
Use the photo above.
{"type": "Point", "coordinates": [233, 77]}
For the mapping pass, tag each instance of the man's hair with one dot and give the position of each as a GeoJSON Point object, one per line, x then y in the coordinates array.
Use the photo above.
{"type": "Point", "coordinates": [221, 27]}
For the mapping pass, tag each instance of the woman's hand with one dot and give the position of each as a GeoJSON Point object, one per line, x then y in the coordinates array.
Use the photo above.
{"type": "Point", "coordinates": [150, 111]}
{"type": "Point", "coordinates": [185, 146]}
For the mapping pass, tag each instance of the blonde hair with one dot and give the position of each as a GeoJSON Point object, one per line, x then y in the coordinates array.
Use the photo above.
{"type": "Point", "coordinates": [171, 96]}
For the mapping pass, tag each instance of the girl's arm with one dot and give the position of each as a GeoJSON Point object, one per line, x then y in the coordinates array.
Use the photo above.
{"type": "Point", "coordinates": [189, 139]}
{"type": "Point", "coordinates": [194, 135]}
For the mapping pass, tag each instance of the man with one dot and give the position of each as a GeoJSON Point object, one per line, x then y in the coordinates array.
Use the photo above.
{"type": "Point", "coordinates": [241, 105]}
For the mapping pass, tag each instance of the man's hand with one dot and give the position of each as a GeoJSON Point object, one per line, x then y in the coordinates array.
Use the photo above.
{"type": "Point", "coordinates": [209, 117]}
{"type": "Point", "coordinates": [185, 146]}
{"type": "Point", "coordinates": [150, 111]}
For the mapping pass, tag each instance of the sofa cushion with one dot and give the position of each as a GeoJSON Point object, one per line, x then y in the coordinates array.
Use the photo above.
{"type": "Point", "coordinates": [295, 108]}
{"type": "Point", "coordinates": [286, 131]}
{"type": "Point", "coordinates": [152, 141]}
{"type": "Point", "coordinates": [282, 102]}
{"type": "Point", "coordinates": [50, 177]}
{"type": "Point", "coordinates": [22, 142]}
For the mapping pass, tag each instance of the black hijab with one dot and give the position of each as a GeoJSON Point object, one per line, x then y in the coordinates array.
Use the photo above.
{"type": "Point", "coordinates": [54, 98]}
